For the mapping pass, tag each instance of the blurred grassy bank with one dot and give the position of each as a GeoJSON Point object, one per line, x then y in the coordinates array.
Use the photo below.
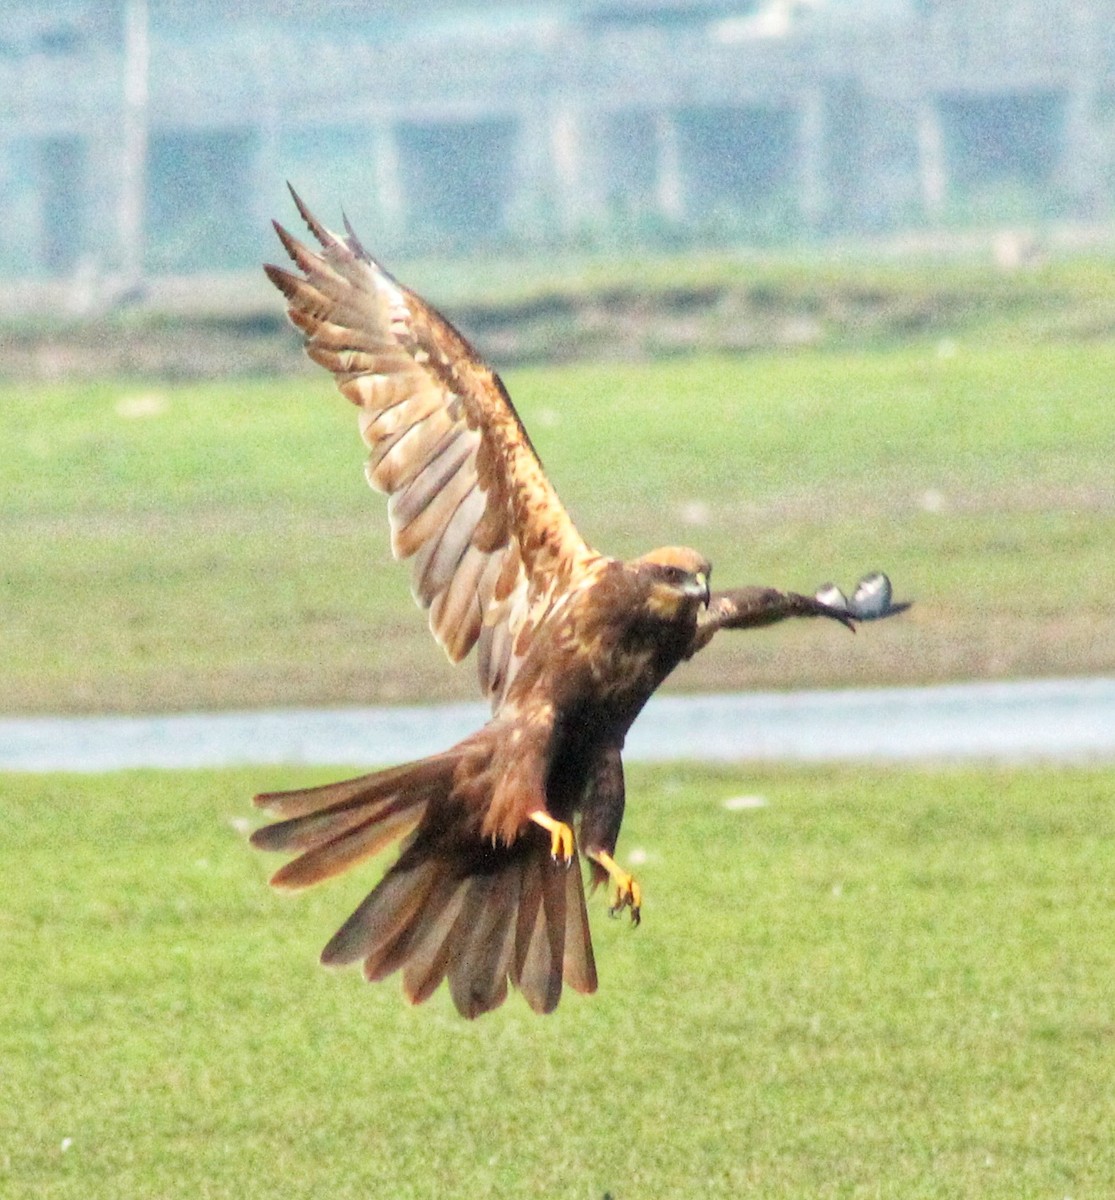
{"type": "Point", "coordinates": [604, 308]}
{"type": "Point", "coordinates": [170, 545]}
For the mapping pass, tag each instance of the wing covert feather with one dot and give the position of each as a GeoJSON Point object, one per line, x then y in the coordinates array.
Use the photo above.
{"type": "Point", "coordinates": [469, 502]}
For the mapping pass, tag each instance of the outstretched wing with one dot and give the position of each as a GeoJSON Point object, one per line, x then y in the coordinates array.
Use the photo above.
{"type": "Point", "coordinates": [752, 607]}
{"type": "Point", "coordinates": [469, 502]}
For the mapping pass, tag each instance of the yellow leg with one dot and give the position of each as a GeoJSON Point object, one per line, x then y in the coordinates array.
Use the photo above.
{"type": "Point", "coordinates": [627, 893]}
{"type": "Point", "coordinates": [561, 836]}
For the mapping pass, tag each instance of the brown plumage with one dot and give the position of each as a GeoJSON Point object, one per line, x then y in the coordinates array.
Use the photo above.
{"type": "Point", "coordinates": [570, 645]}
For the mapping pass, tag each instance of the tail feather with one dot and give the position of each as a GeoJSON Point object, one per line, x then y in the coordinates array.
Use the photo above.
{"type": "Point", "coordinates": [476, 912]}
{"type": "Point", "coordinates": [382, 915]}
{"type": "Point", "coordinates": [433, 947]}
{"type": "Point", "coordinates": [304, 833]}
{"type": "Point", "coordinates": [335, 826]}
{"type": "Point", "coordinates": [361, 790]}
{"type": "Point", "coordinates": [540, 933]}
{"type": "Point", "coordinates": [393, 950]}
{"type": "Point", "coordinates": [530, 903]}
{"type": "Point", "coordinates": [351, 845]}
{"type": "Point", "coordinates": [579, 964]}
{"type": "Point", "coordinates": [451, 908]}
{"type": "Point", "coordinates": [478, 976]}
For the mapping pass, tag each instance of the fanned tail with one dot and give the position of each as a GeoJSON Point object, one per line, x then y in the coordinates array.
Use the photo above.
{"type": "Point", "coordinates": [335, 826]}
{"type": "Point", "coordinates": [451, 908]}
{"type": "Point", "coordinates": [510, 915]}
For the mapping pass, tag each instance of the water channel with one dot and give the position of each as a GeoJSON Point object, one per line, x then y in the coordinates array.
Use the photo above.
{"type": "Point", "coordinates": [1052, 720]}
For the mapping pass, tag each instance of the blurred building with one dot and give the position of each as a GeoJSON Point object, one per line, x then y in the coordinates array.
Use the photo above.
{"type": "Point", "coordinates": [148, 137]}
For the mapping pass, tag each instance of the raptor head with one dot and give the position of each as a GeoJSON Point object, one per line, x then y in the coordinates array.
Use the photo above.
{"type": "Point", "coordinates": [678, 579]}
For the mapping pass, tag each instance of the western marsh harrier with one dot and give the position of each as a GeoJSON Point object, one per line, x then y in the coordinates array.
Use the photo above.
{"type": "Point", "coordinates": [569, 644]}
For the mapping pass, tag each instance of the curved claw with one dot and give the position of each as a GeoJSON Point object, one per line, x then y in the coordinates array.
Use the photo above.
{"type": "Point", "coordinates": [562, 843]}
{"type": "Point", "coordinates": [828, 602]}
{"type": "Point", "coordinates": [625, 891]}
{"type": "Point", "coordinates": [847, 619]}
{"type": "Point", "coordinates": [628, 896]}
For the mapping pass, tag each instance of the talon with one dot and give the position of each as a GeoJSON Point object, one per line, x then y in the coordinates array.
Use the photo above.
{"type": "Point", "coordinates": [562, 845]}
{"type": "Point", "coordinates": [626, 891]}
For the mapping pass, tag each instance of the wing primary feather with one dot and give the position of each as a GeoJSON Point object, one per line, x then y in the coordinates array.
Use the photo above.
{"type": "Point", "coordinates": [319, 231]}
{"type": "Point", "coordinates": [390, 351]}
{"type": "Point", "coordinates": [287, 283]}
{"type": "Point", "coordinates": [302, 256]}
{"type": "Point", "coordinates": [357, 247]}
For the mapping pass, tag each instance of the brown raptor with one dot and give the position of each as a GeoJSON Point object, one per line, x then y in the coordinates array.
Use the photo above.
{"type": "Point", "coordinates": [570, 644]}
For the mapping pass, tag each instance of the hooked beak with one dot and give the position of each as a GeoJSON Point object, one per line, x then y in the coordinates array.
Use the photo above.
{"type": "Point", "coordinates": [699, 588]}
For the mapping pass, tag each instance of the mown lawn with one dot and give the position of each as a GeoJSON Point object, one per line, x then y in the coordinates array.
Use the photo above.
{"type": "Point", "coordinates": [862, 983]}
{"type": "Point", "coordinates": [172, 546]}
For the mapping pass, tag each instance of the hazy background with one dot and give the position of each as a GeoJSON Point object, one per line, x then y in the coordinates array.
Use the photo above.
{"type": "Point", "coordinates": [817, 287]}
{"type": "Point", "coordinates": [147, 141]}
{"type": "Point", "coordinates": [820, 286]}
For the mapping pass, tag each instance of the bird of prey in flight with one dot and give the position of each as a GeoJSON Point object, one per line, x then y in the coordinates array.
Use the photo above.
{"type": "Point", "coordinates": [486, 890]}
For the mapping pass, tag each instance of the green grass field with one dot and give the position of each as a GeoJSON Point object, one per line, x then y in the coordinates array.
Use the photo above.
{"type": "Point", "coordinates": [172, 546]}
{"type": "Point", "coordinates": [880, 984]}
